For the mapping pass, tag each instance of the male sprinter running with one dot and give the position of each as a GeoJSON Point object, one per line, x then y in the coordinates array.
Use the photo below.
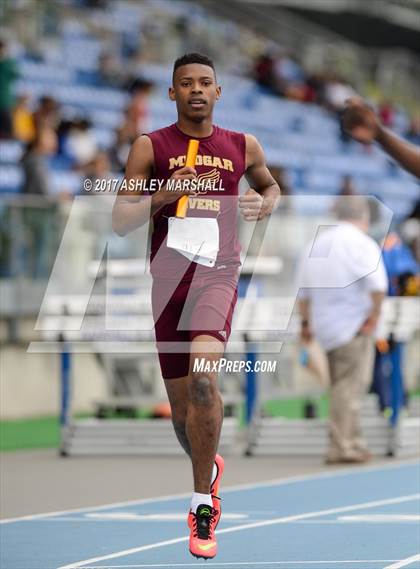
{"type": "Point", "coordinates": [201, 294]}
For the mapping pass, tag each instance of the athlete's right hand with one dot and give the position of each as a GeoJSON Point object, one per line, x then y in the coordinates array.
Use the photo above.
{"type": "Point", "coordinates": [168, 196]}
{"type": "Point", "coordinates": [185, 173]}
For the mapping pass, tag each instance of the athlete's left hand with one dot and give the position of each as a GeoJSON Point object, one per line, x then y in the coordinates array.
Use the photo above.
{"type": "Point", "coordinates": [253, 206]}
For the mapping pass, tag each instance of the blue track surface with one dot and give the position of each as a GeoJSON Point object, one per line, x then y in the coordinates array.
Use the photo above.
{"type": "Point", "coordinates": [353, 519]}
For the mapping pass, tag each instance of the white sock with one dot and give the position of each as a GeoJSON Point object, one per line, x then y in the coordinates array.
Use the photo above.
{"type": "Point", "coordinates": [214, 473]}
{"type": "Point", "coordinates": [198, 499]}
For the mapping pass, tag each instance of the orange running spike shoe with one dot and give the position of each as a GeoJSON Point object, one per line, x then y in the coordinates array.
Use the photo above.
{"type": "Point", "coordinates": [202, 539]}
{"type": "Point", "coordinates": [215, 487]}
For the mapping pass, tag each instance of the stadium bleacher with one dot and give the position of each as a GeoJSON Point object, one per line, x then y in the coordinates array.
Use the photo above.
{"type": "Point", "coordinates": [303, 138]}
{"type": "Point", "coordinates": [315, 155]}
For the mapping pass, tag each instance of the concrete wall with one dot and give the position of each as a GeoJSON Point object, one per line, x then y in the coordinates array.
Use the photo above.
{"type": "Point", "coordinates": [30, 383]}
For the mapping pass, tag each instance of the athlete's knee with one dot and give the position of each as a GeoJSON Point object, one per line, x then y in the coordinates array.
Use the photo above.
{"type": "Point", "coordinates": [203, 389]}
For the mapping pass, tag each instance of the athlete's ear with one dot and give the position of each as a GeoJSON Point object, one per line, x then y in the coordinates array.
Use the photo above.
{"type": "Point", "coordinates": [171, 93]}
{"type": "Point", "coordinates": [218, 92]}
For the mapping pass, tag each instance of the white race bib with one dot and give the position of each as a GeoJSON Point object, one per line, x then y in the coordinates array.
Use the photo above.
{"type": "Point", "coordinates": [197, 238]}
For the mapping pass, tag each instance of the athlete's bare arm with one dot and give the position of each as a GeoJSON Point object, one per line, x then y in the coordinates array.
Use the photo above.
{"type": "Point", "coordinates": [362, 124]}
{"type": "Point", "coordinates": [131, 209]}
{"type": "Point", "coordinates": [264, 196]}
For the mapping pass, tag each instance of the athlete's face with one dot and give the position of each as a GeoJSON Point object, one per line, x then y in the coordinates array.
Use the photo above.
{"type": "Point", "coordinates": [195, 91]}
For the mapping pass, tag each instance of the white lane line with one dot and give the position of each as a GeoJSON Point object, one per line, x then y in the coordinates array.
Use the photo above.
{"type": "Point", "coordinates": [335, 472]}
{"type": "Point", "coordinates": [126, 517]}
{"type": "Point", "coordinates": [161, 517]}
{"type": "Point", "coordinates": [404, 562]}
{"type": "Point", "coordinates": [332, 522]}
{"type": "Point", "coordinates": [259, 524]}
{"type": "Point", "coordinates": [382, 518]}
{"type": "Point", "coordinates": [239, 564]}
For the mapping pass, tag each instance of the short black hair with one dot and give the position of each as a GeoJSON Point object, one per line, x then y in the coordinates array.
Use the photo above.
{"type": "Point", "coordinates": [188, 58]}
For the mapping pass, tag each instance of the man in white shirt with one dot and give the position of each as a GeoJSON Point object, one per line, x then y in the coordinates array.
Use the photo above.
{"type": "Point", "coordinates": [342, 283]}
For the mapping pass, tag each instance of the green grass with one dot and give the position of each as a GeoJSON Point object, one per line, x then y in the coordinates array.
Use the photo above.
{"type": "Point", "coordinates": [295, 408]}
{"type": "Point", "coordinates": [29, 433]}
{"type": "Point", "coordinates": [42, 432]}
{"type": "Point", "coordinates": [292, 408]}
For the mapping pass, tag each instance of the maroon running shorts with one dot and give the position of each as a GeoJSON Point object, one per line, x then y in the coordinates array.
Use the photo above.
{"type": "Point", "coordinates": [181, 312]}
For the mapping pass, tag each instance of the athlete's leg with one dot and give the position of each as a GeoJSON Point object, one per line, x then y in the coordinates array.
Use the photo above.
{"type": "Point", "coordinates": [178, 395]}
{"type": "Point", "coordinates": [205, 411]}
{"type": "Point", "coordinates": [168, 305]}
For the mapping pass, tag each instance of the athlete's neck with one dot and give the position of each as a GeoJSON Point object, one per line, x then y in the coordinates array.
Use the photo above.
{"type": "Point", "coordinates": [195, 129]}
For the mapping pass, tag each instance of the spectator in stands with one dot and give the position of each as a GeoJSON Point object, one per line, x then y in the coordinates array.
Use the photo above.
{"type": "Point", "coordinates": [337, 92]}
{"type": "Point", "coordinates": [386, 113]}
{"type": "Point", "coordinates": [289, 77]}
{"type": "Point", "coordinates": [80, 144]}
{"type": "Point", "coordinates": [125, 136]}
{"type": "Point", "coordinates": [98, 169]}
{"type": "Point", "coordinates": [403, 276]}
{"type": "Point", "coordinates": [110, 71]}
{"type": "Point", "coordinates": [264, 73]}
{"type": "Point", "coordinates": [361, 123]}
{"type": "Point", "coordinates": [63, 130]}
{"type": "Point", "coordinates": [340, 306]}
{"type": "Point", "coordinates": [314, 88]}
{"type": "Point", "coordinates": [8, 75]}
{"type": "Point", "coordinates": [38, 216]}
{"type": "Point", "coordinates": [347, 187]}
{"type": "Point", "coordinates": [47, 114]}
{"type": "Point", "coordinates": [282, 75]}
{"type": "Point", "coordinates": [140, 90]}
{"type": "Point", "coordinates": [401, 266]}
{"type": "Point", "coordinates": [34, 162]}
{"type": "Point", "coordinates": [136, 120]}
{"type": "Point", "coordinates": [23, 120]}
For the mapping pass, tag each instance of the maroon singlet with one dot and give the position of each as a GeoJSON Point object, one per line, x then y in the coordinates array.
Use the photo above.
{"type": "Point", "coordinates": [221, 156]}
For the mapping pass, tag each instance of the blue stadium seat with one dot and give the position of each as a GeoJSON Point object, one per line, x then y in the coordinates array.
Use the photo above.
{"type": "Point", "coordinates": [104, 137]}
{"type": "Point", "coordinates": [11, 178]}
{"type": "Point", "coordinates": [66, 182]}
{"type": "Point", "coordinates": [47, 73]}
{"type": "Point", "coordinates": [10, 151]}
